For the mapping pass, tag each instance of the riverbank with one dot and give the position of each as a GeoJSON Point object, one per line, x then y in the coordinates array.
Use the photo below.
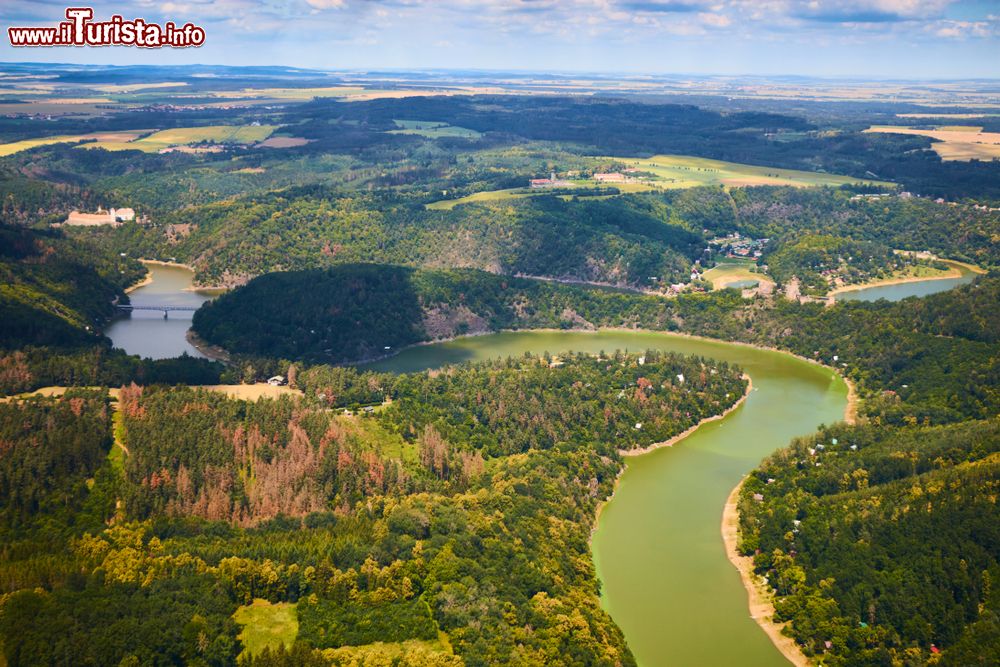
{"type": "Point", "coordinates": [666, 443]}
{"type": "Point", "coordinates": [213, 352]}
{"type": "Point", "coordinates": [761, 600]}
{"type": "Point", "coordinates": [680, 436]}
{"type": "Point", "coordinates": [955, 271]}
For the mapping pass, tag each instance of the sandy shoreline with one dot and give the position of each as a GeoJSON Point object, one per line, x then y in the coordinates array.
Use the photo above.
{"type": "Point", "coordinates": [666, 443]}
{"type": "Point", "coordinates": [760, 598]}
{"type": "Point", "coordinates": [213, 352]}
{"type": "Point", "coordinates": [680, 436]}
{"type": "Point", "coordinates": [953, 272]}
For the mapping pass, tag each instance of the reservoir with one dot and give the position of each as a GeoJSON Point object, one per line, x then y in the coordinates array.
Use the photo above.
{"type": "Point", "coordinates": [658, 548]}
{"type": "Point", "coordinates": [145, 332]}
{"type": "Point", "coordinates": [902, 291]}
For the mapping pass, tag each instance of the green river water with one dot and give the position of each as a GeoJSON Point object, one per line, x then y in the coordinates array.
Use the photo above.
{"type": "Point", "coordinates": [658, 546]}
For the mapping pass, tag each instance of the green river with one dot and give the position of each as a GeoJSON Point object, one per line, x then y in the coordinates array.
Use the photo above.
{"type": "Point", "coordinates": [658, 546]}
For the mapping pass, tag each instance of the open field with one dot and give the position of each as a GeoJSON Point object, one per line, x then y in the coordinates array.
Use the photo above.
{"type": "Point", "coordinates": [252, 392]}
{"type": "Point", "coordinates": [954, 142]}
{"type": "Point", "coordinates": [267, 625]}
{"type": "Point", "coordinates": [182, 136]}
{"type": "Point", "coordinates": [682, 171]}
{"type": "Point", "coordinates": [90, 107]}
{"type": "Point", "coordinates": [118, 138]}
{"type": "Point", "coordinates": [284, 142]}
{"type": "Point", "coordinates": [433, 130]}
{"type": "Point", "coordinates": [730, 272]}
{"type": "Point", "coordinates": [487, 195]}
{"type": "Point", "coordinates": [674, 172]}
{"type": "Point", "coordinates": [961, 116]}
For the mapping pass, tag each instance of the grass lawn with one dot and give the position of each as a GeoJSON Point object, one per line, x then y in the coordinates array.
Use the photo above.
{"type": "Point", "coordinates": [433, 130]}
{"type": "Point", "coordinates": [267, 625]}
{"type": "Point", "coordinates": [727, 272]}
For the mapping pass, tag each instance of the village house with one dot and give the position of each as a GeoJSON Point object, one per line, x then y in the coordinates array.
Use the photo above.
{"type": "Point", "coordinates": [551, 182]}
{"type": "Point", "coordinates": [610, 177]}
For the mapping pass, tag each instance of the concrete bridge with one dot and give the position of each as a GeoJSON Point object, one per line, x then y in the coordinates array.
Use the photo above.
{"type": "Point", "coordinates": [165, 309]}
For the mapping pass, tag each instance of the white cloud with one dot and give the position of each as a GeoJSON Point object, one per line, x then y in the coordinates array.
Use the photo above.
{"type": "Point", "coordinates": [327, 4]}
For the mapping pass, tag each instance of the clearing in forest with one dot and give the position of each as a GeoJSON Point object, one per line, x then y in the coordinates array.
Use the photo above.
{"type": "Point", "coordinates": [267, 625]}
{"type": "Point", "coordinates": [433, 129]}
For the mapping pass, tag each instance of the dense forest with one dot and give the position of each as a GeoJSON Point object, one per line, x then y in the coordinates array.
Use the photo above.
{"type": "Point", "coordinates": [409, 523]}
{"type": "Point", "coordinates": [936, 355]}
{"type": "Point", "coordinates": [647, 240]}
{"type": "Point", "coordinates": [57, 291]}
{"type": "Point", "coordinates": [882, 543]}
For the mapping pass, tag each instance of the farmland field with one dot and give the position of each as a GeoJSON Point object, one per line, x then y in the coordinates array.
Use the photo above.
{"type": "Point", "coordinates": [954, 142]}
{"type": "Point", "coordinates": [682, 171]}
{"type": "Point", "coordinates": [182, 136]}
{"type": "Point", "coordinates": [675, 172]}
{"type": "Point", "coordinates": [108, 138]}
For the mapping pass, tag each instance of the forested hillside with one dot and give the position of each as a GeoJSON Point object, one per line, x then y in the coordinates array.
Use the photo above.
{"type": "Point", "coordinates": [882, 543]}
{"type": "Point", "coordinates": [56, 291]}
{"type": "Point", "coordinates": [932, 358]}
{"type": "Point", "coordinates": [56, 296]}
{"type": "Point", "coordinates": [425, 523]}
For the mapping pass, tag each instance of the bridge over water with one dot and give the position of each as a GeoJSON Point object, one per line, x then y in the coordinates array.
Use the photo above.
{"type": "Point", "coordinates": [128, 308]}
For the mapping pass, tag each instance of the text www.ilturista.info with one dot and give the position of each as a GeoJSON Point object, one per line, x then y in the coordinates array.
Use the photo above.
{"type": "Point", "coordinates": [79, 30]}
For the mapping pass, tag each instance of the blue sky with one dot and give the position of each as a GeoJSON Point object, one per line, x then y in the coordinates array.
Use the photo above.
{"type": "Point", "coordinates": [913, 39]}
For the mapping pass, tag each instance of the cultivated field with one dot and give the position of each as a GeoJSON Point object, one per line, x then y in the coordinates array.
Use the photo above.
{"type": "Point", "coordinates": [673, 172]}
{"type": "Point", "coordinates": [284, 142]}
{"type": "Point", "coordinates": [184, 136]}
{"type": "Point", "coordinates": [682, 171]}
{"type": "Point", "coordinates": [954, 142]}
{"type": "Point", "coordinates": [99, 137]}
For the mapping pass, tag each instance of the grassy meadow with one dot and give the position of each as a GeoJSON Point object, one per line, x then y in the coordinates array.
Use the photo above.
{"type": "Point", "coordinates": [267, 624]}
{"type": "Point", "coordinates": [433, 129]}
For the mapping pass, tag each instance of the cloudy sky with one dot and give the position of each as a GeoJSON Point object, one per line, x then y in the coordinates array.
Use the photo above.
{"type": "Point", "coordinates": [881, 38]}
